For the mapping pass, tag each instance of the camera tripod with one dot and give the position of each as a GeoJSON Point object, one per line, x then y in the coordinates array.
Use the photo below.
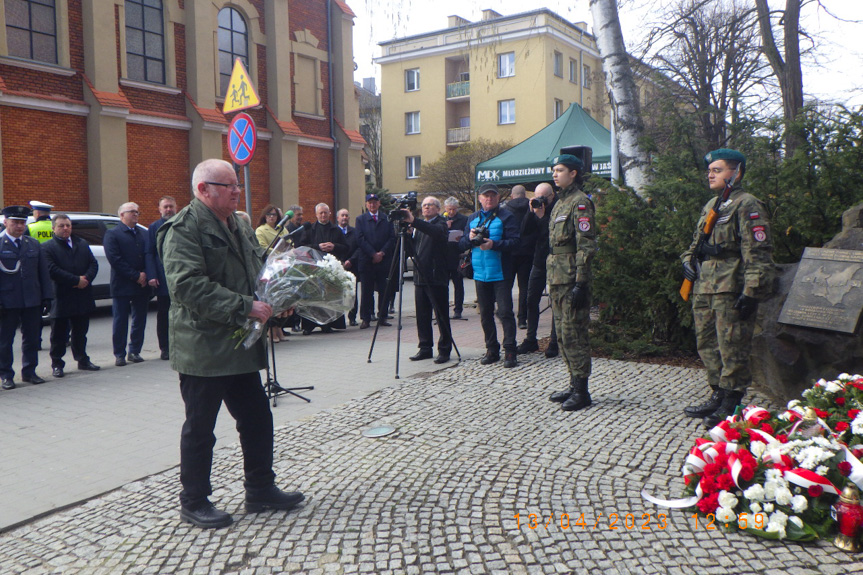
{"type": "Point", "coordinates": [272, 386]}
{"type": "Point", "coordinates": [398, 266]}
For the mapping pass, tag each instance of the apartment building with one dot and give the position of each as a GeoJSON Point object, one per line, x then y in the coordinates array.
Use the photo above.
{"type": "Point", "coordinates": [501, 78]}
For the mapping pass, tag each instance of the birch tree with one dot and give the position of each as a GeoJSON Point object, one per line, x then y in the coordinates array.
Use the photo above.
{"type": "Point", "coordinates": [623, 93]}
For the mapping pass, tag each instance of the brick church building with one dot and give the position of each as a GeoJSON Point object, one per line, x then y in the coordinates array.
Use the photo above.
{"type": "Point", "coordinates": [108, 101]}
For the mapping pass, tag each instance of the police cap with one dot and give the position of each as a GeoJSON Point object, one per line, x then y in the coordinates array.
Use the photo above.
{"type": "Point", "coordinates": [570, 161]}
{"type": "Point", "coordinates": [725, 154]}
{"type": "Point", "coordinates": [16, 212]}
{"type": "Point", "coordinates": [42, 206]}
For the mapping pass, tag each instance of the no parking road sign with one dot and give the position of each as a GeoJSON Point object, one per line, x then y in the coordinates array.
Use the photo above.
{"type": "Point", "coordinates": [242, 139]}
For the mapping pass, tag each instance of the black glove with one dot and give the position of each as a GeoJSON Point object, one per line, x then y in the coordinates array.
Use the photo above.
{"type": "Point", "coordinates": [689, 272]}
{"type": "Point", "coordinates": [578, 296]}
{"type": "Point", "coordinates": [745, 306]}
{"type": "Point", "coordinates": [708, 250]}
{"type": "Point", "coordinates": [46, 306]}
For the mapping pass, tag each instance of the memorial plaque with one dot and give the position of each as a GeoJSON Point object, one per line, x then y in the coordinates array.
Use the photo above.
{"type": "Point", "coordinates": [826, 293]}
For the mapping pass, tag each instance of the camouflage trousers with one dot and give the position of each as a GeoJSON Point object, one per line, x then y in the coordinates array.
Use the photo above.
{"type": "Point", "coordinates": [724, 342]}
{"type": "Point", "coordinates": [571, 326]}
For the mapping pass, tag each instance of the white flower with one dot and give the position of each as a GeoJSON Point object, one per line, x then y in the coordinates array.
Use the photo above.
{"type": "Point", "coordinates": [725, 515]}
{"type": "Point", "coordinates": [770, 490]}
{"type": "Point", "coordinates": [834, 387]}
{"type": "Point", "coordinates": [857, 424]}
{"type": "Point", "coordinates": [796, 521]}
{"type": "Point", "coordinates": [755, 507]}
{"type": "Point", "coordinates": [783, 496]}
{"type": "Point", "coordinates": [794, 404]}
{"type": "Point", "coordinates": [799, 504]}
{"type": "Point", "coordinates": [768, 508]}
{"type": "Point", "coordinates": [774, 528]}
{"type": "Point", "coordinates": [778, 517]}
{"type": "Point", "coordinates": [821, 470]}
{"type": "Point", "coordinates": [821, 382]}
{"type": "Point", "coordinates": [773, 475]}
{"type": "Point", "coordinates": [845, 376]}
{"type": "Point", "coordinates": [754, 493]}
{"type": "Point", "coordinates": [727, 499]}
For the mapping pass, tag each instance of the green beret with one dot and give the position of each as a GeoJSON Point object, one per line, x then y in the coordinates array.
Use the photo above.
{"type": "Point", "coordinates": [568, 160]}
{"type": "Point", "coordinates": [725, 154]}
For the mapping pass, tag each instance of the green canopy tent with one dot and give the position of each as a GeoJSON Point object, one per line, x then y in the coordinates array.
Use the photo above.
{"type": "Point", "coordinates": [529, 160]}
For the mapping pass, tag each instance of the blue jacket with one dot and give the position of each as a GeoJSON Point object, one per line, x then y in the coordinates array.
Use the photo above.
{"type": "Point", "coordinates": [155, 269]}
{"type": "Point", "coordinates": [30, 285]}
{"type": "Point", "coordinates": [125, 252]}
{"type": "Point", "coordinates": [495, 264]}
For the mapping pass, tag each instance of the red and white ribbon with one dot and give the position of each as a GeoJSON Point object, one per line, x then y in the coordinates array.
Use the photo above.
{"type": "Point", "coordinates": [806, 478]}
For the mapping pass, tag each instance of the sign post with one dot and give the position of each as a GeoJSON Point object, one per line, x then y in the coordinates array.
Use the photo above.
{"type": "Point", "coordinates": [242, 141]}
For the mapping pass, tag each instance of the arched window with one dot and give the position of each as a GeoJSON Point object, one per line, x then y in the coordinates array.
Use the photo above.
{"type": "Point", "coordinates": [31, 29]}
{"type": "Point", "coordinates": [233, 44]}
{"type": "Point", "coordinates": [145, 41]}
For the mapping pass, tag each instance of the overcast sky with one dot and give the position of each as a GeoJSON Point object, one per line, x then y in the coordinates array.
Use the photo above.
{"type": "Point", "coordinates": [835, 74]}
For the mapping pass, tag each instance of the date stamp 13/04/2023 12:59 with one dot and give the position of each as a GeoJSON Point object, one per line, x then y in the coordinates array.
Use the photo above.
{"type": "Point", "coordinates": [629, 521]}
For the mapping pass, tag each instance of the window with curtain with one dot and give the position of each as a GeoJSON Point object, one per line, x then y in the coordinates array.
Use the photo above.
{"type": "Point", "coordinates": [233, 44]}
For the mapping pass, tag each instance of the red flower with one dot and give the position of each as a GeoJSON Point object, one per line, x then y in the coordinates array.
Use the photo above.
{"type": "Point", "coordinates": [840, 401]}
{"type": "Point", "coordinates": [821, 413]}
{"type": "Point", "coordinates": [857, 452]}
{"type": "Point", "coordinates": [712, 469]}
{"type": "Point", "coordinates": [709, 503]}
{"type": "Point", "coordinates": [782, 438]}
{"type": "Point", "coordinates": [725, 481]}
{"type": "Point", "coordinates": [841, 426]}
{"type": "Point", "coordinates": [732, 435]}
{"type": "Point", "coordinates": [767, 428]}
{"type": "Point", "coordinates": [815, 490]}
{"type": "Point", "coordinates": [852, 413]}
{"type": "Point", "coordinates": [747, 473]}
{"type": "Point", "coordinates": [708, 485]}
{"type": "Point", "coordinates": [844, 468]}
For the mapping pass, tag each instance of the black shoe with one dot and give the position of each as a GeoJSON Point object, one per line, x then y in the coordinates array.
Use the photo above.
{"type": "Point", "coordinates": [490, 357]}
{"type": "Point", "coordinates": [57, 372]}
{"type": "Point", "coordinates": [34, 379]}
{"type": "Point", "coordinates": [385, 323]}
{"type": "Point", "coordinates": [422, 354]}
{"type": "Point", "coordinates": [522, 324]}
{"type": "Point", "coordinates": [441, 358]}
{"type": "Point", "coordinates": [353, 323]}
{"type": "Point", "coordinates": [307, 331]}
{"type": "Point", "coordinates": [456, 315]}
{"type": "Point", "coordinates": [708, 407]}
{"type": "Point", "coordinates": [365, 324]}
{"type": "Point", "coordinates": [580, 397]}
{"type": "Point", "coordinates": [120, 361]}
{"type": "Point", "coordinates": [206, 517]}
{"type": "Point", "coordinates": [272, 498]}
{"type": "Point", "coordinates": [561, 396]}
{"type": "Point", "coordinates": [165, 356]}
{"type": "Point", "coordinates": [551, 351]}
{"type": "Point", "coordinates": [527, 346]}
{"type": "Point", "coordinates": [729, 404]}
{"type": "Point", "coordinates": [8, 383]}
{"type": "Point", "coordinates": [327, 329]}
{"type": "Point", "coordinates": [509, 359]}
{"type": "Point", "coordinates": [88, 366]}
{"type": "Point", "coordinates": [135, 358]}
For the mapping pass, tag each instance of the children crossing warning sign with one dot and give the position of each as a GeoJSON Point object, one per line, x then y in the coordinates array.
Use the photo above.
{"type": "Point", "coordinates": [240, 94]}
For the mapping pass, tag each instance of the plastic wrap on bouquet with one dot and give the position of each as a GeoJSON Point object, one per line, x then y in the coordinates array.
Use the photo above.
{"type": "Point", "coordinates": [314, 283]}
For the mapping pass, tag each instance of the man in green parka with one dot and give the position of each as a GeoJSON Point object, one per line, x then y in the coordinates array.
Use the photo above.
{"type": "Point", "coordinates": [212, 259]}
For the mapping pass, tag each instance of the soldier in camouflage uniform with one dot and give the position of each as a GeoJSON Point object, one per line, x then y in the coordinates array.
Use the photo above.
{"type": "Point", "coordinates": [572, 243]}
{"type": "Point", "coordinates": [735, 272]}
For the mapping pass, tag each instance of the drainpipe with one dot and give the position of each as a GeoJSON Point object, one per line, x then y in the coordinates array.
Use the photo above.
{"type": "Point", "coordinates": [336, 206]}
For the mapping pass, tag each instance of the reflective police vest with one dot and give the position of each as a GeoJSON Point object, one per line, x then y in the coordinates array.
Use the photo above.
{"type": "Point", "coordinates": [41, 230]}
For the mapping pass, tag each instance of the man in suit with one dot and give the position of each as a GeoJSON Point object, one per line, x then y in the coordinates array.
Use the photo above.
{"type": "Point", "coordinates": [25, 292]}
{"type": "Point", "coordinates": [72, 267]}
{"type": "Point", "coordinates": [376, 240]}
{"type": "Point", "coordinates": [431, 280]}
{"type": "Point", "coordinates": [125, 248]}
{"type": "Point", "coordinates": [350, 264]}
{"type": "Point", "coordinates": [299, 238]}
{"type": "Point", "coordinates": [455, 222]}
{"type": "Point", "coordinates": [156, 273]}
{"type": "Point", "coordinates": [326, 237]}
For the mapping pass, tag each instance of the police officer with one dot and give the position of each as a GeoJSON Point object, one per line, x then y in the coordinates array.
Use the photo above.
{"type": "Point", "coordinates": [735, 272]}
{"type": "Point", "coordinates": [572, 245]}
{"type": "Point", "coordinates": [41, 228]}
{"type": "Point", "coordinates": [25, 293]}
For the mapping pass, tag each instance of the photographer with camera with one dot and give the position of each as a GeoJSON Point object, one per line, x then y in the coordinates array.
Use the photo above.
{"type": "Point", "coordinates": [431, 280]}
{"type": "Point", "coordinates": [492, 234]}
{"type": "Point", "coordinates": [536, 223]}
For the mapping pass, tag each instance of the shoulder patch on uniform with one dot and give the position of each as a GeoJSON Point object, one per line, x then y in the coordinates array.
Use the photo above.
{"type": "Point", "coordinates": [560, 219]}
{"type": "Point", "coordinates": [723, 219]}
{"type": "Point", "coordinates": [754, 215]}
{"type": "Point", "coordinates": [584, 224]}
{"type": "Point", "coordinates": [725, 204]}
{"type": "Point", "coordinates": [759, 233]}
{"type": "Point", "coordinates": [582, 207]}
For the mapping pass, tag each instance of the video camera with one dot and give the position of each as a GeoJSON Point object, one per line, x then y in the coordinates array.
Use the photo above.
{"type": "Point", "coordinates": [407, 203]}
{"type": "Point", "coordinates": [538, 202]}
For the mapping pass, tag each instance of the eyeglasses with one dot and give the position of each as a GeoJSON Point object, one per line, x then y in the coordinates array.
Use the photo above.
{"type": "Point", "coordinates": [228, 186]}
{"type": "Point", "coordinates": [272, 215]}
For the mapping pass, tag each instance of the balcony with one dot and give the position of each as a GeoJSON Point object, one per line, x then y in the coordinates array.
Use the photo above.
{"type": "Point", "coordinates": [458, 90]}
{"type": "Point", "coordinates": [457, 136]}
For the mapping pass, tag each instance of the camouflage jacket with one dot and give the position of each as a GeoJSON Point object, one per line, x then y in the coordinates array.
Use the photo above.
{"type": "Point", "coordinates": [572, 234]}
{"type": "Point", "coordinates": [743, 246]}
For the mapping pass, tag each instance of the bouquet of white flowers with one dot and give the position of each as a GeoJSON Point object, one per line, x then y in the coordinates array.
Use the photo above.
{"type": "Point", "coordinates": [314, 284]}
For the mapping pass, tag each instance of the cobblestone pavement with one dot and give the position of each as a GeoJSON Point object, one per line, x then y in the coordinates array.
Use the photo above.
{"type": "Point", "coordinates": [477, 450]}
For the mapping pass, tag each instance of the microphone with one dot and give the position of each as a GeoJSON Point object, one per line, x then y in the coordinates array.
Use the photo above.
{"type": "Point", "coordinates": [305, 226]}
{"type": "Point", "coordinates": [288, 215]}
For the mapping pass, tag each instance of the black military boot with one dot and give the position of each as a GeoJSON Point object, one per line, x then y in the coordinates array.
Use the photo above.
{"type": "Point", "coordinates": [580, 397]}
{"type": "Point", "coordinates": [729, 404]}
{"type": "Point", "coordinates": [709, 406]}
{"type": "Point", "coordinates": [561, 396]}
